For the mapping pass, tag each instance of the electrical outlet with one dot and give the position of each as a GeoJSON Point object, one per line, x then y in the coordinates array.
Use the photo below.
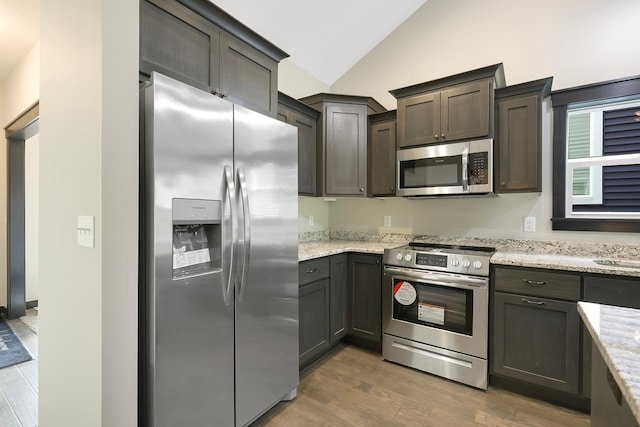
{"type": "Point", "coordinates": [311, 221]}
{"type": "Point", "coordinates": [530, 223]}
{"type": "Point", "coordinates": [387, 220]}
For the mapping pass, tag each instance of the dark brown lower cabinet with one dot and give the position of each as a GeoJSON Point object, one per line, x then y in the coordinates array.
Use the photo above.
{"type": "Point", "coordinates": [364, 300]}
{"type": "Point", "coordinates": [537, 341]}
{"type": "Point", "coordinates": [313, 303]}
{"type": "Point", "coordinates": [338, 294]}
{"type": "Point", "coordinates": [608, 406]}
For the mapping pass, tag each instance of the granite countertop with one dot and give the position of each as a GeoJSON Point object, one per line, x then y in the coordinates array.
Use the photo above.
{"type": "Point", "coordinates": [618, 267]}
{"type": "Point", "coordinates": [574, 263]}
{"type": "Point", "coordinates": [616, 333]}
{"type": "Point", "coordinates": [311, 250]}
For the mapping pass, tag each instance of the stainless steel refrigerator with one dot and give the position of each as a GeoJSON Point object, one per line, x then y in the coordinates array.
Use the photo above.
{"type": "Point", "coordinates": [219, 281]}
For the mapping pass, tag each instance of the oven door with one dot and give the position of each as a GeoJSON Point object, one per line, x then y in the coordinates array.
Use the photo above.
{"type": "Point", "coordinates": [445, 310]}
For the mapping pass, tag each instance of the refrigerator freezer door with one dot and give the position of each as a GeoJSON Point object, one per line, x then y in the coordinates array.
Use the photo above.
{"type": "Point", "coordinates": [267, 302]}
{"type": "Point", "coordinates": [190, 340]}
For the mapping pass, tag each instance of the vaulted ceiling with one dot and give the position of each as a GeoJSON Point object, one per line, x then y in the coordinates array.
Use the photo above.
{"type": "Point", "coordinates": [324, 38]}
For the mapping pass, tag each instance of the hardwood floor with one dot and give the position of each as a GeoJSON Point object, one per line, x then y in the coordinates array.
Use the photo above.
{"type": "Point", "coordinates": [19, 384]}
{"type": "Point", "coordinates": [355, 387]}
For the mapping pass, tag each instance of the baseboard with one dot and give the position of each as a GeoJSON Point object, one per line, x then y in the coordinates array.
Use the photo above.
{"type": "Point", "coordinates": [31, 304]}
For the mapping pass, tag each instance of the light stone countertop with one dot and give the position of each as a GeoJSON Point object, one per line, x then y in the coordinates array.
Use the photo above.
{"type": "Point", "coordinates": [616, 333]}
{"type": "Point", "coordinates": [568, 263]}
{"type": "Point", "coordinates": [318, 249]}
{"type": "Point", "coordinates": [311, 250]}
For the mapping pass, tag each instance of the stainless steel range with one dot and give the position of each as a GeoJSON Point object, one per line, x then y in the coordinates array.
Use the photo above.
{"type": "Point", "coordinates": [435, 310]}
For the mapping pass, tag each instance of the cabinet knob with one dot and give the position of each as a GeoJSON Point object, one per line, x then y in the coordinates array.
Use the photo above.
{"type": "Point", "coordinates": [503, 183]}
{"type": "Point", "coordinates": [390, 188]}
{"type": "Point", "coordinates": [216, 92]}
{"type": "Point", "coordinates": [442, 135]}
{"type": "Point", "coordinates": [436, 136]}
{"type": "Point", "coordinates": [225, 94]}
{"type": "Point", "coordinates": [361, 190]}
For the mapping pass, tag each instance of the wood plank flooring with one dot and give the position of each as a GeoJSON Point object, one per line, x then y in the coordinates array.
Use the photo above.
{"type": "Point", "coordinates": [355, 387]}
{"type": "Point", "coordinates": [19, 384]}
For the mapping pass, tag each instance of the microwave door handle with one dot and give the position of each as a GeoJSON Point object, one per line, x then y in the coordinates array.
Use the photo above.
{"type": "Point", "coordinates": [465, 170]}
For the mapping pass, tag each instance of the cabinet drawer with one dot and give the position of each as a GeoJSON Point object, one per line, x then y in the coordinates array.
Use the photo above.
{"type": "Point", "coordinates": [612, 291]}
{"type": "Point", "coordinates": [312, 270]}
{"type": "Point", "coordinates": [538, 283]}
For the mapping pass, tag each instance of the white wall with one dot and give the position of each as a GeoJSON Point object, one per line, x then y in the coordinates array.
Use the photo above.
{"type": "Point", "coordinates": [18, 92]}
{"type": "Point", "coordinates": [31, 216]}
{"type": "Point", "coordinates": [575, 41]}
{"type": "Point", "coordinates": [296, 82]}
{"type": "Point", "coordinates": [89, 158]}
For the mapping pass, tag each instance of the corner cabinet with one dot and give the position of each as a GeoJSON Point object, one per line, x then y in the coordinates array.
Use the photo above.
{"type": "Point", "coordinates": [448, 109]}
{"type": "Point", "coordinates": [364, 300]}
{"type": "Point", "coordinates": [198, 43]}
{"type": "Point", "coordinates": [381, 168]}
{"type": "Point", "coordinates": [341, 155]}
{"type": "Point", "coordinates": [305, 119]}
{"type": "Point", "coordinates": [519, 136]}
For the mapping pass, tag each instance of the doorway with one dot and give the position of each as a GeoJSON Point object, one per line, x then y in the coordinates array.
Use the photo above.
{"type": "Point", "coordinates": [17, 133]}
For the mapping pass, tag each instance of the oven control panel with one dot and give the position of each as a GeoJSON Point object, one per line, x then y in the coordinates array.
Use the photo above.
{"type": "Point", "coordinates": [465, 263]}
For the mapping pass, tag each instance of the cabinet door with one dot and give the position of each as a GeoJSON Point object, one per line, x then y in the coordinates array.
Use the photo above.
{"type": "Point", "coordinates": [382, 159]}
{"type": "Point", "coordinates": [313, 306]}
{"type": "Point", "coordinates": [465, 111]}
{"type": "Point", "coordinates": [248, 77]}
{"type": "Point", "coordinates": [364, 298]}
{"type": "Point", "coordinates": [338, 309]}
{"type": "Point", "coordinates": [419, 120]}
{"type": "Point", "coordinates": [307, 133]}
{"type": "Point", "coordinates": [284, 114]}
{"type": "Point", "coordinates": [518, 145]}
{"type": "Point", "coordinates": [179, 43]}
{"type": "Point", "coordinates": [345, 150]}
{"type": "Point", "coordinates": [537, 340]}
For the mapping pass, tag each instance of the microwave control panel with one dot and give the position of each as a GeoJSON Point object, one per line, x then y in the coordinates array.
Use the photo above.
{"type": "Point", "coordinates": [478, 168]}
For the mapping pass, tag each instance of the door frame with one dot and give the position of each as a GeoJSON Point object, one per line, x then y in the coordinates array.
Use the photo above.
{"type": "Point", "coordinates": [16, 134]}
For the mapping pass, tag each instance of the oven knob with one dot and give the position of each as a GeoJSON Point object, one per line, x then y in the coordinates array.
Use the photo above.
{"type": "Point", "coordinates": [455, 262]}
{"type": "Point", "coordinates": [407, 257]}
{"type": "Point", "coordinates": [477, 264]}
{"type": "Point", "coordinates": [399, 256]}
{"type": "Point", "coordinates": [465, 263]}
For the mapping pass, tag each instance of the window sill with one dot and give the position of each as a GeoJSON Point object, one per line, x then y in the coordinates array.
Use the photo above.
{"type": "Point", "coordinates": [606, 225]}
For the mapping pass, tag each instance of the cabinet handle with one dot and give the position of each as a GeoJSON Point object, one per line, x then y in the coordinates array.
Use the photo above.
{"type": "Point", "coordinates": [313, 270]}
{"type": "Point", "coordinates": [532, 302]}
{"type": "Point", "coordinates": [225, 94]}
{"type": "Point", "coordinates": [436, 136]}
{"type": "Point", "coordinates": [390, 188]}
{"type": "Point", "coordinates": [216, 92]}
{"type": "Point", "coordinates": [534, 282]}
{"type": "Point", "coordinates": [442, 135]}
{"type": "Point", "coordinates": [361, 190]}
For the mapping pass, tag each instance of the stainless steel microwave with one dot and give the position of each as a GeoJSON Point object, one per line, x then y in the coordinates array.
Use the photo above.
{"type": "Point", "coordinates": [460, 168]}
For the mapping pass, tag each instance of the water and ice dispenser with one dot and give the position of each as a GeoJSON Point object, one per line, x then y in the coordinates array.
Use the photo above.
{"type": "Point", "coordinates": [197, 237]}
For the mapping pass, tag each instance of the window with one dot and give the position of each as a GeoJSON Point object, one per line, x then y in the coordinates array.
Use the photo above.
{"type": "Point", "coordinates": [596, 149]}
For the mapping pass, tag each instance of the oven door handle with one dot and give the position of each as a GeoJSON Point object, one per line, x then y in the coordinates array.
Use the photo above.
{"type": "Point", "coordinates": [443, 279]}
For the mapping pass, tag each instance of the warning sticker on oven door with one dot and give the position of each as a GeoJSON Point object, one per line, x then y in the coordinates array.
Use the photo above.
{"type": "Point", "coordinates": [404, 293]}
{"type": "Point", "coordinates": [431, 313]}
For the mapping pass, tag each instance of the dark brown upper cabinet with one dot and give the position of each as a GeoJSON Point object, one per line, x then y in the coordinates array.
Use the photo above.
{"type": "Point", "coordinates": [519, 136]}
{"type": "Point", "coordinates": [198, 43]}
{"type": "Point", "coordinates": [382, 154]}
{"type": "Point", "coordinates": [305, 118]}
{"type": "Point", "coordinates": [448, 109]}
{"type": "Point", "coordinates": [341, 158]}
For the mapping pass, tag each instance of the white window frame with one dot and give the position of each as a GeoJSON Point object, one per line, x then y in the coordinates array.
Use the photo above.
{"type": "Point", "coordinates": [595, 164]}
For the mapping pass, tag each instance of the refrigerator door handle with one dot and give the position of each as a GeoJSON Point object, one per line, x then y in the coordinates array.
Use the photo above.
{"type": "Point", "coordinates": [246, 219]}
{"type": "Point", "coordinates": [229, 188]}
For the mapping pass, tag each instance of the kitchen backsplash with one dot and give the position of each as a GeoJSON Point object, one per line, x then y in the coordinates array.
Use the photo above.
{"type": "Point", "coordinates": [565, 248]}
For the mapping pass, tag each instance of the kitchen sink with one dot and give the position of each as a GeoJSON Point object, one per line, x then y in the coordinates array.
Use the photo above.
{"type": "Point", "coordinates": [618, 263]}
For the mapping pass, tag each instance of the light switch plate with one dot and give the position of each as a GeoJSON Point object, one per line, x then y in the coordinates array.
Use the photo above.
{"type": "Point", "coordinates": [530, 223]}
{"type": "Point", "coordinates": [85, 230]}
